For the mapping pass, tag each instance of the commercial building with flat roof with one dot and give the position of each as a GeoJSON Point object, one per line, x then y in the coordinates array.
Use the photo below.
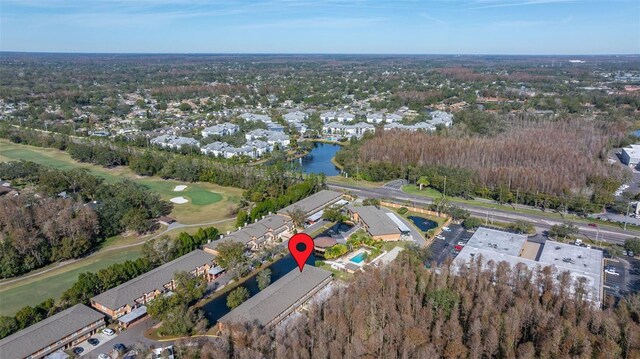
{"type": "Point", "coordinates": [376, 222]}
{"type": "Point", "coordinates": [270, 306]}
{"type": "Point", "coordinates": [630, 156]}
{"type": "Point", "coordinates": [584, 264]}
{"type": "Point", "coordinates": [60, 331]}
{"type": "Point", "coordinates": [314, 203]}
{"type": "Point", "coordinates": [122, 299]}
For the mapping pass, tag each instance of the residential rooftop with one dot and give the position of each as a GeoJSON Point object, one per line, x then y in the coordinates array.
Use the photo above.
{"type": "Point", "coordinates": [377, 221]}
{"type": "Point", "coordinates": [314, 202]}
{"type": "Point", "coordinates": [280, 298]}
{"type": "Point", "coordinates": [128, 292]}
{"type": "Point", "coordinates": [48, 332]}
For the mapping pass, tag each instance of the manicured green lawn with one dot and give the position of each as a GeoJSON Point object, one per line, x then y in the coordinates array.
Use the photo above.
{"type": "Point", "coordinates": [34, 290]}
{"type": "Point", "coordinates": [350, 181]}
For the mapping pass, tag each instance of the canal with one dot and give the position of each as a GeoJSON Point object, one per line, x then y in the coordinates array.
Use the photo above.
{"type": "Point", "coordinates": [319, 159]}
{"type": "Point", "coordinates": [217, 308]}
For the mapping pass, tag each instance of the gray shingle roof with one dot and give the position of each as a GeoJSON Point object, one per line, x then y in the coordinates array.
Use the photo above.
{"type": "Point", "coordinates": [313, 202]}
{"type": "Point", "coordinates": [378, 222]}
{"type": "Point", "coordinates": [277, 298]}
{"type": "Point", "coordinates": [49, 331]}
{"type": "Point", "coordinates": [127, 293]}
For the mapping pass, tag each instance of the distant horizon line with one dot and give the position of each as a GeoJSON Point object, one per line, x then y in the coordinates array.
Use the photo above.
{"type": "Point", "coordinates": [314, 54]}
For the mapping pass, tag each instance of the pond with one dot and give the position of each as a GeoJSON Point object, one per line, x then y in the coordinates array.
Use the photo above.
{"type": "Point", "coordinates": [319, 159]}
{"type": "Point", "coordinates": [422, 223]}
{"type": "Point", "coordinates": [217, 308]}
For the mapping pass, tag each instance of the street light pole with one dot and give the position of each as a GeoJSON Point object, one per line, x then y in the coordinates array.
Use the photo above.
{"type": "Point", "coordinates": [625, 219]}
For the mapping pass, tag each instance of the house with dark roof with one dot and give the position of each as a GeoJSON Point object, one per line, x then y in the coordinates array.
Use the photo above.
{"type": "Point", "coordinates": [122, 299]}
{"type": "Point", "coordinates": [321, 244]}
{"type": "Point", "coordinates": [314, 203]}
{"type": "Point", "coordinates": [376, 222]}
{"type": "Point", "coordinates": [274, 303]}
{"type": "Point", "coordinates": [60, 331]}
{"type": "Point", "coordinates": [256, 235]}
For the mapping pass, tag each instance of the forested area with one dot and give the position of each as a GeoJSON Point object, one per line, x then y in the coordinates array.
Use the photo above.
{"type": "Point", "coordinates": [273, 196]}
{"type": "Point", "coordinates": [407, 311]}
{"type": "Point", "coordinates": [89, 284]}
{"type": "Point", "coordinates": [36, 230]}
{"type": "Point", "coordinates": [150, 162]}
{"type": "Point", "coordinates": [556, 164]}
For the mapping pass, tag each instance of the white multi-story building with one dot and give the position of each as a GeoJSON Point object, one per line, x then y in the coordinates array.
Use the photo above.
{"type": "Point", "coordinates": [174, 142]}
{"type": "Point", "coordinates": [630, 156]}
{"type": "Point", "coordinates": [255, 117]}
{"type": "Point", "coordinates": [223, 129]}
{"type": "Point", "coordinates": [295, 116]}
{"type": "Point", "coordinates": [376, 117]}
{"type": "Point", "coordinates": [359, 129]}
{"type": "Point", "coordinates": [271, 137]}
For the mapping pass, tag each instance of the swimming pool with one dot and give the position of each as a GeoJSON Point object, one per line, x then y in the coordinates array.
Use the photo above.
{"type": "Point", "coordinates": [359, 258]}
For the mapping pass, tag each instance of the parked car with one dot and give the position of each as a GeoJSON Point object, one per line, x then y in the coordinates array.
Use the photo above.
{"type": "Point", "coordinates": [163, 353]}
{"type": "Point", "coordinates": [630, 254]}
{"type": "Point", "coordinates": [612, 271]}
{"type": "Point", "coordinates": [119, 347]}
{"type": "Point", "coordinates": [446, 229]}
{"type": "Point", "coordinates": [462, 243]}
{"type": "Point", "coordinates": [108, 331]}
{"type": "Point", "coordinates": [93, 341]}
{"type": "Point", "coordinates": [440, 237]}
{"type": "Point", "coordinates": [104, 356]}
{"type": "Point", "coordinates": [77, 350]}
{"type": "Point", "coordinates": [458, 248]}
{"type": "Point", "coordinates": [592, 225]}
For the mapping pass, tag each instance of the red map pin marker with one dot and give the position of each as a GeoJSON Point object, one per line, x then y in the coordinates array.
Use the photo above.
{"type": "Point", "coordinates": [301, 246]}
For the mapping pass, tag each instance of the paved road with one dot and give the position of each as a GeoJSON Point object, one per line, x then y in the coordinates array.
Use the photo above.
{"type": "Point", "coordinates": [607, 234]}
{"type": "Point", "coordinates": [129, 337]}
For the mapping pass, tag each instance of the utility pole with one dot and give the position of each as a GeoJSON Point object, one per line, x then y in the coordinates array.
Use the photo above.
{"type": "Point", "coordinates": [445, 186]}
{"type": "Point", "coordinates": [627, 215]}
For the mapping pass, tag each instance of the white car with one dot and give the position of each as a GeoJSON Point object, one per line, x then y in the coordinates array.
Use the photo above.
{"type": "Point", "coordinates": [462, 243]}
{"type": "Point", "coordinates": [103, 356]}
{"type": "Point", "coordinates": [446, 229]}
{"type": "Point", "coordinates": [611, 271]}
{"type": "Point", "coordinates": [108, 331]}
{"type": "Point", "coordinates": [440, 237]}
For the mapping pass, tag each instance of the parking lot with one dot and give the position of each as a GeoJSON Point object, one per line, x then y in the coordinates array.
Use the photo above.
{"type": "Point", "coordinates": [443, 248]}
{"type": "Point", "coordinates": [614, 284]}
{"type": "Point", "coordinates": [88, 348]}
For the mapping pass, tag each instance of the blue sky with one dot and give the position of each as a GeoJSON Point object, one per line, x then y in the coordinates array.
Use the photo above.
{"type": "Point", "coordinates": [322, 26]}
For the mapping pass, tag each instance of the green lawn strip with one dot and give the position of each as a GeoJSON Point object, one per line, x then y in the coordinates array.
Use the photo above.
{"type": "Point", "coordinates": [431, 193]}
{"type": "Point", "coordinates": [52, 284]}
{"type": "Point", "coordinates": [350, 181]}
{"type": "Point", "coordinates": [344, 276]}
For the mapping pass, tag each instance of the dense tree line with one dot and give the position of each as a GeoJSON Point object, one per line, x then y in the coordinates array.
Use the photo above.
{"type": "Point", "coordinates": [153, 162]}
{"type": "Point", "coordinates": [407, 311]}
{"type": "Point", "coordinates": [38, 230]}
{"type": "Point", "coordinates": [272, 201]}
{"type": "Point", "coordinates": [550, 164]}
{"type": "Point", "coordinates": [177, 317]}
{"type": "Point", "coordinates": [89, 284]}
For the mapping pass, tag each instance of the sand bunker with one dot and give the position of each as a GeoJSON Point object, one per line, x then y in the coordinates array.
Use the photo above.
{"type": "Point", "coordinates": [179, 188]}
{"type": "Point", "coordinates": [179, 200]}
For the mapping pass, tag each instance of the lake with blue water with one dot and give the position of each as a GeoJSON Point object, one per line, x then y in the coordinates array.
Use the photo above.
{"type": "Point", "coordinates": [319, 159]}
